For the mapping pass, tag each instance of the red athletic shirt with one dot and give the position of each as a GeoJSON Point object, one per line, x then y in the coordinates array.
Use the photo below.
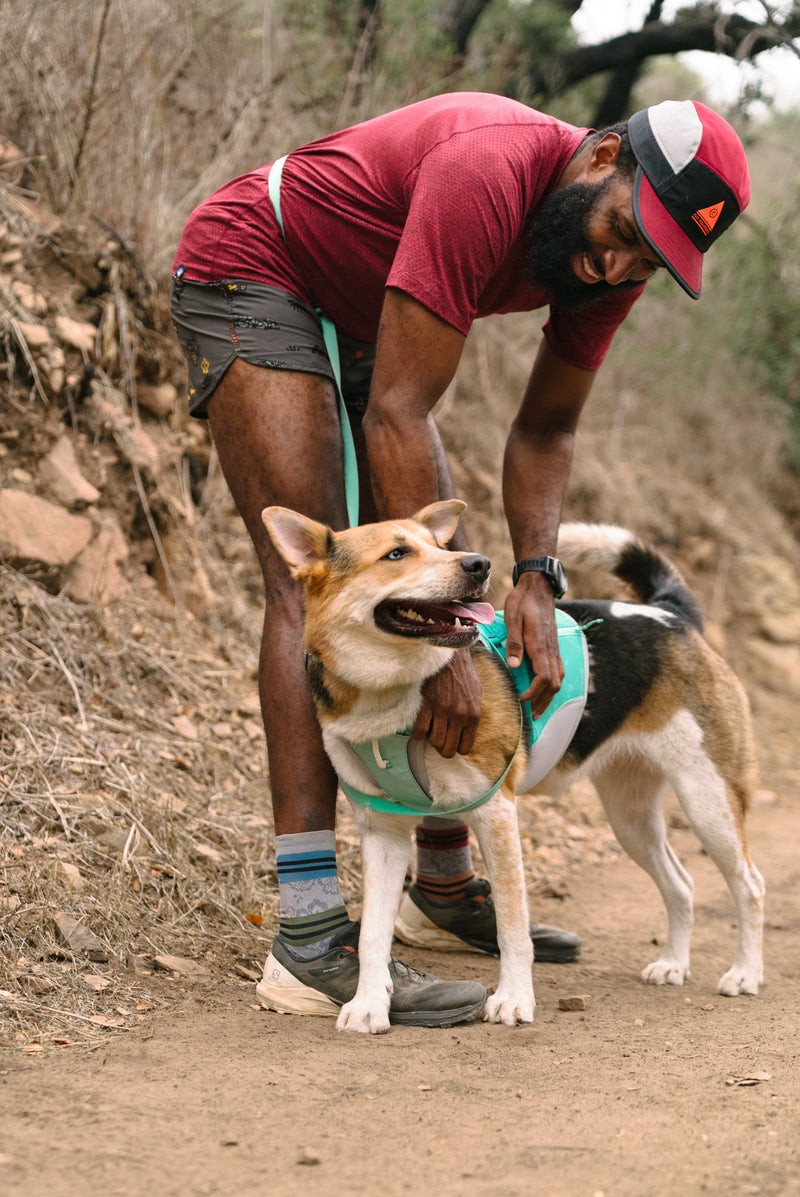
{"type": "Point", "coordinates": [433, 199]}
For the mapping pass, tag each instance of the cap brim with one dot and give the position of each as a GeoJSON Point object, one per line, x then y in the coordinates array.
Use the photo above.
{"type": "Point", "coordinates": [682, 259]}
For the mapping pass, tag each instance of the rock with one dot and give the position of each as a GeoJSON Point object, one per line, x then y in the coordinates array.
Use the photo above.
{"type": "Point", "coordinates": [31, 529]}
{"type": "Point", "coordinates": [781, 628]}
{"type": "Point", "coordinates": [33, 300]}
{"type": "Point", "coordinates": [35, 336]}
{"type": "Point", "coordinates": [78, 938]}
{"type": "Point", "coordinates": [775, 666]}
{"type": "Point", "coordinates": [187, 968]}
{"type": "Point", "coordinates": [95, 575]}
{"type": "Point", "coordinates": [12, 162]}
{"type": "Point", "coordinates": [78, 335]}
{"type": "Point", "coordinates": [36, 983]}
{"type": "Point", "coordinates": [60, 472]}
{"type": "Point", "coordinates": [96, 982]}
{"type": "Point", "coordinates": [70, 874]}
{"type": "Point", "coordinates": [580, 1001]}
{"type": "Point", "coordinates": [770, 591]}
{"type": "Point", "coordinates": [158, 400]}
{"type": "Point", "coordinates": [141, 963]}
{"type": "Point", "coordinates": [184, 727]}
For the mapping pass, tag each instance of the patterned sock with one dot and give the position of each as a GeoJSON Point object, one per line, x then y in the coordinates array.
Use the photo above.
{"type": "Point", "coordinates": [444, 859]}
{"type": "Point", "coordinates": [312, 907]}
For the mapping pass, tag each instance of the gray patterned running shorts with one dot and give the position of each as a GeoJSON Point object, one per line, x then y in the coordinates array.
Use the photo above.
{"type": "Point", "coordinates": [265, 326]}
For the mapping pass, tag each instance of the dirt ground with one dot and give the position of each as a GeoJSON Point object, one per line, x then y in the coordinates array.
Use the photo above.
{"type": "Point", "coordinates": [647, 1093]}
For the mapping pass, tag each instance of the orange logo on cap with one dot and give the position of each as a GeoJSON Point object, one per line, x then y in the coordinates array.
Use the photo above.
{"type": "Point", "coordinates": [706, 218]}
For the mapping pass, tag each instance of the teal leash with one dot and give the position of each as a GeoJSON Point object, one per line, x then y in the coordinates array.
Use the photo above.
{"type": "Point", "coordinates": [332, 349]}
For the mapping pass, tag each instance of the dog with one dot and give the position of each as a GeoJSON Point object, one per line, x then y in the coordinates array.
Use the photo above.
{"type": "Point", "coordinates": [387, 605]}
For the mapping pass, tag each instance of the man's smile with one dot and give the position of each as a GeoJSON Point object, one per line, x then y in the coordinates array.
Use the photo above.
{"type": "Point", "coordinates": [585, 268]}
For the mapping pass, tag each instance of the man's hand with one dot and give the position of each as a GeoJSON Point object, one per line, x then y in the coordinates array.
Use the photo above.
{"type": "Point", "coordinates": [451, 707]}
{"type": "Point", "coordinates": [531, 623]}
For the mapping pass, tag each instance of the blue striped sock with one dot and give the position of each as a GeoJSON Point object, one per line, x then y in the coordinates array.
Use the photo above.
{"type": "Point", "coordinates": [312, 907]}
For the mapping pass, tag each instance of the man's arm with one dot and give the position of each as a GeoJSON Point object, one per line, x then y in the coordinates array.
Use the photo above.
{"type": "Point", "coordinates": [416, 359]}
{"type": "Point", "coordinates": [536, 468]}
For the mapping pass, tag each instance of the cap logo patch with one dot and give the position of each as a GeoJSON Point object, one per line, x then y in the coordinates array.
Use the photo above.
{"type": "Point", "coordinates": [706, 218]}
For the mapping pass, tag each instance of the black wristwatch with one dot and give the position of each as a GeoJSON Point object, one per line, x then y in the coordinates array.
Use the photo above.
{"type": "Point", "coordinates": [552, 569]}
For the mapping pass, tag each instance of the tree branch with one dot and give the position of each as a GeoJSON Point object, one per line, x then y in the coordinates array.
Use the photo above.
{"type": "Point", "coordinates": [732, 35]}
{"type": "Point", "coordinates": [458, 18]}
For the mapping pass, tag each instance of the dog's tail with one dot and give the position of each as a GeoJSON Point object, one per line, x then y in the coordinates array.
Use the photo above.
{"type": "Point", "coordinates": [651, 576]}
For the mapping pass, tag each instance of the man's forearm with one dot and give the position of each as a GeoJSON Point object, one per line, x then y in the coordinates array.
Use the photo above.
{"type": "Point", "coordinates": [539, 451]}
{"type": "Point", "coordinates": [535, 474]}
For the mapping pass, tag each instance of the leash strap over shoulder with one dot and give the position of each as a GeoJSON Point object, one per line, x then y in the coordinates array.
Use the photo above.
{"type": "Point", "coordinates": [332, 349]}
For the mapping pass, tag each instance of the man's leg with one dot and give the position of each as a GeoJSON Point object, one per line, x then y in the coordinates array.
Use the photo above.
{"type": "Point", "coordinates": [278, 439]}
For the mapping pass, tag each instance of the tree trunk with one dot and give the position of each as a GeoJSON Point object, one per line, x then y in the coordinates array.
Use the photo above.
{"type": "Point", "coordinates": [616, 103]}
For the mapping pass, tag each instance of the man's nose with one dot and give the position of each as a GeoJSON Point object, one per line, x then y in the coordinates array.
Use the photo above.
{"type": "Point", "coordinates": [620, 264]}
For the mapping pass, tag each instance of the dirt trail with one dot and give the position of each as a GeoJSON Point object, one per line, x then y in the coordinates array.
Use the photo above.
{"type": "Point", "coordinates": [649, 1093]}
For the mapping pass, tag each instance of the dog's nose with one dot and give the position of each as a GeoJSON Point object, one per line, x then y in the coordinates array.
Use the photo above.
{"type": "Point", "coordinates": [476, 566]}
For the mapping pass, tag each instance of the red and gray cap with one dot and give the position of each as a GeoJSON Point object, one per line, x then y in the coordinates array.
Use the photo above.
{"type": "Point", "coordinates": [691, 183]}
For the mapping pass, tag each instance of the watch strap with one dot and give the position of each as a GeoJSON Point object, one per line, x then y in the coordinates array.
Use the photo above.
{"type": "Point", "coordinates": [551, 567]}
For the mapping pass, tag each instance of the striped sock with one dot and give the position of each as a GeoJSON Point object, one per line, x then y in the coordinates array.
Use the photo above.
{"type": "Point", "coordinates": [444, 859]}
{"type": "Point", "coordinates": [312, 907]}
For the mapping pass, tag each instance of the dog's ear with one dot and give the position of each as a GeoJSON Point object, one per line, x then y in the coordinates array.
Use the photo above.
{"type": "Point", "coordinates": [441, 518]}
{"type": "Point", "coordinates": [301, 541]}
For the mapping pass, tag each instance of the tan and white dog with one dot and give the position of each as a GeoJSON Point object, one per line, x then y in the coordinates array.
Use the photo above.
{"type": "Point", "coordinates": [386, 606]}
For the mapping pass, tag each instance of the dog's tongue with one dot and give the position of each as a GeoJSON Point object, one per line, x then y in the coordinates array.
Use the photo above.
{"type": "Point", "coordinates": [477, 612]}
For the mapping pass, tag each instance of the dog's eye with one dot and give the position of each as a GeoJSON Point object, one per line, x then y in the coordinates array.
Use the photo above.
{"type": "Point", "coordinates": [395, 554]}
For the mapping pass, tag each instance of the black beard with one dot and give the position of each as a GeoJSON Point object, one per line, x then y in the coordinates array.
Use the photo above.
{"type": "Point", "coordinates": [557, 232]}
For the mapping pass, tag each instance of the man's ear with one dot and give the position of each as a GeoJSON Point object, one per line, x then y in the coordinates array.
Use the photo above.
{"type": "Point", "coordinates": [441, 519]}
{"type": "Point", "coordinates": [301, 541]}
{"type": "Point", "coordinates": [605, 154]}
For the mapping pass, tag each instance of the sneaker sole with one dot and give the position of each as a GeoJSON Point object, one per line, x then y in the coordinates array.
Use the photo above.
{"type": "Point", "coordinates": [419, 932]}
{"type": "Point", "coordinates": [439, 1018]}
{"type": "Point", "coordinates": [278, 990]}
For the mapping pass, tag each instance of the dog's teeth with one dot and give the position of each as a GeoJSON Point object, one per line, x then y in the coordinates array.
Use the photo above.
{"type": "Point", "coordinates": [409, 613]}
{"type": "Point", "coordinates": [458, 622]}
{"type": "Point", "coordinates": [429, 621]}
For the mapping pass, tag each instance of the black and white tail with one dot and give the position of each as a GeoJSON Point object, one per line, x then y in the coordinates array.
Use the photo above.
{"type": "Point", "coordinates": [651, 576]}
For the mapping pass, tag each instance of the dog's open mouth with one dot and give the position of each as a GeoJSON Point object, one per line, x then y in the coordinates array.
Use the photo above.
{"type": "Point", "coordinates": [451, 623]}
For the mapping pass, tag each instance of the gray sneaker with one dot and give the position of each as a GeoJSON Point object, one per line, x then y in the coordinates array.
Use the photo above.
{"type": "Point", "coordinates": [472, 923]}
{"type": "Point", "coordinates": [323, 985]}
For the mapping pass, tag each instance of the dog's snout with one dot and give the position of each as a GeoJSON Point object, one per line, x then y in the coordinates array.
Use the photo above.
{"type": "Point", "coordinates": [476, 566]}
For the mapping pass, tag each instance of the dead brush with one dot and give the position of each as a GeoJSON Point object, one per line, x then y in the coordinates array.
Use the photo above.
{"type": "Point", "coordinates": [134, 800]}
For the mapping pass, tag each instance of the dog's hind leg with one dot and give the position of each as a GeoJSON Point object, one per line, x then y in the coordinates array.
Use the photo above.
{"type": "Point", "coordinates": [385, 851]}
{"type": "Point", "coordinates": [716, 815]}
{"type": "Point", "coordinates": [495, 825]}
{"type": "Point", "coordinates": [632, 791]}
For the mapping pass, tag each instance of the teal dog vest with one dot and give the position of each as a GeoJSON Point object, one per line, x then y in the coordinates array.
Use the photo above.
{"type": "Point", "coordinates": [396, 762]}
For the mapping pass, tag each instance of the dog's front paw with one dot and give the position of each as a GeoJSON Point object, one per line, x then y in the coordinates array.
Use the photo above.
{"type": "Point", "coordinates": [364, 1017]}
{"type": "Point", "coordinates": [739, 980]}
{"type": "Point", "coordinates": [509, 1008]}
{"type": "Point", "coordinates": [665, 972]}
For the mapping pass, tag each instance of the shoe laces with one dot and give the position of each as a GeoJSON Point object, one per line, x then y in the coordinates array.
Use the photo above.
{"type": "Point", "coordinates": [406, 971]}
